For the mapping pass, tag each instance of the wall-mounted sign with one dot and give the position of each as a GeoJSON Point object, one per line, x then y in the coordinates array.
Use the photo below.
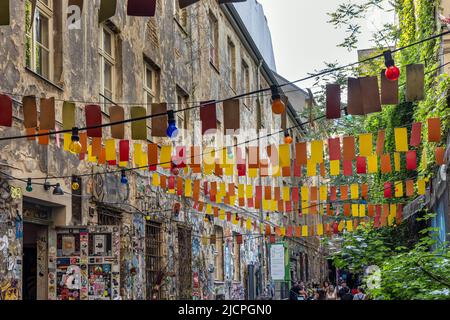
{"type": "Point", "coordinates": [277, 270]}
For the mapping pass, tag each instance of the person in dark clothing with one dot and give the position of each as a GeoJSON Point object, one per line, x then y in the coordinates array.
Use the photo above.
{"type": "Point", "coordinates": [294, 292]}
{"type": "Point", "coordinates": [345, 293]}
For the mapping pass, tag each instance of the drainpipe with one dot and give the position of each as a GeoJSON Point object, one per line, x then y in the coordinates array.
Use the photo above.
{"type": "Point", "coordinates": [264, 260]}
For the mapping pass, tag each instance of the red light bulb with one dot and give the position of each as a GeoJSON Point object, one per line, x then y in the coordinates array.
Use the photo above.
{"type": "Point", "coordinates": [175, 171]}
{"type": "Point", "coordinates": [392, 73]}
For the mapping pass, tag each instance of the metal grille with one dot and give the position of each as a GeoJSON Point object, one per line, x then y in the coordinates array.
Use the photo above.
{"type": "Point", "coordinates": [107, 217]}
{"type": "Point", "coordinates": [153, 257]}
{"type": "Point", "coordinates": [184, 263]}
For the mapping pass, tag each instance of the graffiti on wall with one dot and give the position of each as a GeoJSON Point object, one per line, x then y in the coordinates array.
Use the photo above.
{"type": "Point", "coordinates": [10, 242]}
{"type": "Point", "coordinates": [133, 259]}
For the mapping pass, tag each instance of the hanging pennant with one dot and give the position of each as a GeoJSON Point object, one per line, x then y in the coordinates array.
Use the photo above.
{"type": "Point", "coordinates": [409, 188]}
{"type": "Point", "coordinates": [385, 160]}
{"type": "Point", "coordinates": [333, 104]}
{"type": "Point", "coordinates": [397, 166]}
{"type": "Point", "coordinates": [165, 157]}
{"type": "Point", "coordinates": [93, 118]}
{"type": "Point", "coordinates": [372, 164]}
{"type": "Point", "coordinates": [159, 119]}
{"type": "Point", "coordinates": [415, 75]}
{"type": "Point", "coordinates": [387, 190]}
{"type": "Point", "coordinates": [45, 138]}
{"type": "Point", "coordinates": [439, 156]}
{"type": "Point", "coordinates": [208, 116]}
{"type": "Point", "coordinates": [365, 144]}
{"type": "Point", "coordinates": [370, 94]}
{"type": "Point", "coordinates": [152, 156]}
{"type": "Point", "coordinates": [116, 114]}
{"type": "Point", "coordinates": [398, 189]}
{"type": "Point", "coordinates": [361, 165]}
{"type": "Point", "coordinates": [411, 160]}
{"type": "Point", "coordinates": [420, 186]}
{"type": "Point", "coordinates": [231, 116]}
{"type": "Point", "coordinates": [334, 148]}
{"type": "Point", "coordinates": [107, 10]}
{"type": "Point", "coordinates": [110, 150]}
{"type": "Point", "coordinates": [335, 167]}
{"type": "Point", "coordinates": [434, 130]}
{"type": "Point", "coordinates": [416, 133]}
{"type": "Point", "coordinates": [401, 139]}
{"type": "Point", "coordinates": [30, 112]}
{"type": "Point", "coordinates": [138, 127]}
{"type": "Point", "coordinates": [349, 148]}
{"type": "Point", "coordinates": [380, 143]}
{"type": "Point", "coordinates": [300, 154]}
{"type": "Point", "coordinates": [354, 98]}
{"type": "Point", "coordinates": [347, 168]}
{"type": "Point", "coordinates": [68, 115]}
{"type": "Point", "coordinates": [6, 111]}
{"type": "Point", "coordinates": [124, 151]}
{"type": "Point", "coordinates": [47, 114]}
{"type": "Point", "coordinates": [317, 151]}
{"type": "Point", "coordinates": [389, 90]}
{"type": "Point", "coordinates": [96, 147]}
{"type": "Point", "coordinates": [141, 8]}
{"type": "Point", "coordinates": [311, 168]}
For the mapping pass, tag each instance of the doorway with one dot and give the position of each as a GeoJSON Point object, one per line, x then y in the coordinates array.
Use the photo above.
{"type": "Point", "coordinates": [35, 256]}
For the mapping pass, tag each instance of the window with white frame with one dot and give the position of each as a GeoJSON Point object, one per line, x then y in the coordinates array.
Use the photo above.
{"type": "Point", "coordinates": [107, 63]}
{"type": "Point", "coordinates": [232, 63]}
{"type": "Point", "coordinates": [39, 37]}
{"type": "Point", "coordinates": [213, 40]}
{"type": "Point", "coordinates": [182, 103]}
{"type": "Point", "coordinates": [150, 84]}
{"type": "Point", "coordinates": [180, 15]}
{"type": "Point", "coordinates": [245, 85]}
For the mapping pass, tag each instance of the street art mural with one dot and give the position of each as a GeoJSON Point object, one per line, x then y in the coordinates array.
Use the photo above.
{"type": "Point", "coordinates": [10, 241]}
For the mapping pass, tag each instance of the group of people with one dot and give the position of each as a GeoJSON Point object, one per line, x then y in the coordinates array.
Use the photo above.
{"type": "Point", "coordinates": [327, 291]}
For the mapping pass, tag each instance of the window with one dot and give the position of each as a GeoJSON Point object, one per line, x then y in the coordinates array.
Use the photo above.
{"type": "Point", "coordinates": [153, 258]}
{"type": "Point", "coordinates": [245, 85]}
{"type": "Point", "coordinates": [236, 260]}
{"type": "Point", "coordinates": [182, 103]}
{"type": "Point", "coordinates": [180, 15]}
{"type": "Point", "coordinates": [106, 217]}
{"type": "Point", "coordinates": [107, 64]}
{"type": "Point", "coordinates": [150, 84]}
{"type": "Point", "coordinates": [213, 40]}
{"type": "Point", "coordinates": [219, 256]}
{"type": "Point", "coordinates": [39, 40]}
{"type": "Point", "coordinates": [232, 63]}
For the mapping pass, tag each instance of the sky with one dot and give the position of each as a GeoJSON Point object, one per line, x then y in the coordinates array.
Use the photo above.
{"type": "Point", "coordinates": [303, 40]}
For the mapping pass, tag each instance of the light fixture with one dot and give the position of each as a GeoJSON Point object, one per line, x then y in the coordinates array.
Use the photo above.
{"type": "Point", "coordinates": [75, 146]}
{"type": "Point", "coordinates": [392, 72]}
{"type": "Point", "coordinates": [174, 169]}
{"type": "Point", "coordinates": [230, 152]}
{"type": "Point", "coordinates": [47, 186]}
{"type": "Point", "coordinates": [75, 183]}
{"type": "Point", "coordinates": [58, 191]}
{"type": "Point", "coordinates": [287, 137]}
{"type": "Point", "coordinates": [147, 217]}
{"type": "Point", "coordinates": [123, 178]}
{"type": "Point", "coordinates": [206, 218]}
{"type": "Point", "coordinates": [172, 130]}
{"type": "Point", "coordinates": [267, 216]}
{"type": "Point", "coordinates": [29, 187]}
{"type": "Point", "coordinates": [278, 106]}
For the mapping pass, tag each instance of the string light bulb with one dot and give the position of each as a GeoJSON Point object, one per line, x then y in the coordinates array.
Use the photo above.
{"type": "Point", "coordinates": [392, 72]}
{"type": "Point", "coordinates": [172, 130]}
{"type": "Point", "coordinates": [287, 137]}
{"type": "Point", "coordinates": [267, 216]}
{"type": "Point", "coordinates": [29, 187]}
{"type": "Point", "coordinates": [123, 178]}
{"type": "Point", "coordinates": [278, 105]}
{"type": "Point", "coordinates": [75, 146]}
{"type": "Point", "coordinates": [206, 218]}
{"type": "Point", "coordinates": [147, 218]}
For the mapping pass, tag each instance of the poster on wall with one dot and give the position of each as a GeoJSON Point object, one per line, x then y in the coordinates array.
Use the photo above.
{"type": "Point", "coordinates": [100, 282]}
{"type": "Point", "coordinates": [68, 245]}
{"type": "Point", "coordinates": [277, 262]}
{"type": "Point", "coordinates": [99, 244]}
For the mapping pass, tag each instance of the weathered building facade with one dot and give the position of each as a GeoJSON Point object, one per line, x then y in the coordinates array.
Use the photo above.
{"type": "Point", "coordinates": [109, 240]}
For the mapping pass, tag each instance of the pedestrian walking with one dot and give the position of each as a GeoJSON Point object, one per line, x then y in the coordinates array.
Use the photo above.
{"type": "Point", "coordinates": [360, 295]}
